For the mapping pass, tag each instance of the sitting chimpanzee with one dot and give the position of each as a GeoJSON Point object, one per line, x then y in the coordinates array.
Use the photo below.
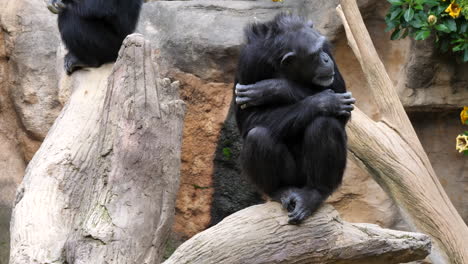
{"type": "Point", "coordinates": [93, 30]}
{"type": "Point", "coordinates": [292, 108]}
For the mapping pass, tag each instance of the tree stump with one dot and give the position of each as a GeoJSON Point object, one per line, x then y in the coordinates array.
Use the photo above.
{"type": "Point", "coordinates": [102, 187]}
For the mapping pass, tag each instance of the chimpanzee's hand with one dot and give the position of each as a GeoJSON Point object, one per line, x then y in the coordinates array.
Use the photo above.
{"type": "Point", "coordinates": [337, 104]}
{"type": "Point", "coordinates": [262, 92]}
{"type": "Point", "coordinates": [56, 6]}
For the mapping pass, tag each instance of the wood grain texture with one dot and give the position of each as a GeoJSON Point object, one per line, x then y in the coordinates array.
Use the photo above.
{"type": "Point", "coordinates": [261, 235]}
{"type": "Point", "coordinates": [102, 187]}
{"type": "Point", "coordinates": [389, 149]}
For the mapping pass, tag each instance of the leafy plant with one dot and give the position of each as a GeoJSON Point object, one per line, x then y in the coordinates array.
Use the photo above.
{"type": "Point", "coordinates": [227, 153]}
{"type": "Point", "coordinates": [446, 20]}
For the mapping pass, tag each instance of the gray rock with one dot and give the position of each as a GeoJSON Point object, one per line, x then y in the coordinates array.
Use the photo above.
{"type": "Point", "coordinates": [203, 37]}
{"type": "Point", "coordinates": [33, 79]}
{"type": "Point", "coordinates": [433, 80]}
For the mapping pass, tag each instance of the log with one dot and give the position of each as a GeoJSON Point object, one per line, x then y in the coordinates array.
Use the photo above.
{"type": "Point", "coordinates": [389, 149]}
{"type": "Point", "coordinates": [261, 234]}
{"type": "Point", "coordinates": [102, 187]}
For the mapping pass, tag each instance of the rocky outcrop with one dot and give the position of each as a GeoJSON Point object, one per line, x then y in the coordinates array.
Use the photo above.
{"type": "Point", "coordinates": [433, 81]}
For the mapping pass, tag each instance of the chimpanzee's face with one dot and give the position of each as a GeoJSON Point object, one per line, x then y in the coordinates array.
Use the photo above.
{"type": "Point", "coordinates": [306, 61]}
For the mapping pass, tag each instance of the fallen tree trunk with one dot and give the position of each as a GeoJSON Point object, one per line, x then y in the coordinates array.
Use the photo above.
{"type": "Point", "coordinates": [261, 234]}
{"type": "Point", "coordinates": [102, 187]}
{"type": "Point", "coordinates": [389, 149]}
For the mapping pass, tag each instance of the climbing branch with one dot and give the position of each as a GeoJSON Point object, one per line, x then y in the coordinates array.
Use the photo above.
{"type": "Point", "coordinates": [261, 234]}
{"type": "Point", "coordinates": [390, 151]}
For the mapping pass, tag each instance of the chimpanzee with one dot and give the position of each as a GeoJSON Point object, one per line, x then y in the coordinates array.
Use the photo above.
{"type": "Point", "coordinates": [291, 110]}
{"type": "Point", "coordinates": [93, 30]}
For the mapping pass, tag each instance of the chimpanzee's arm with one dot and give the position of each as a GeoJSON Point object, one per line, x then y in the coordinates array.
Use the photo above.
{"type": "Point", "coordinates": [279, 91]}
{"type": "Point", "coordinates": [270, 91]}
{"type": "Point", "coordinates": [289, 120]}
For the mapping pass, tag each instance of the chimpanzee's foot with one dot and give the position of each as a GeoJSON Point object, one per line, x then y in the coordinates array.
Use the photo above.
{"type": "Point", "coordinates": [72, 63]}
{"type": "Point", "coordinates": [300, 203]}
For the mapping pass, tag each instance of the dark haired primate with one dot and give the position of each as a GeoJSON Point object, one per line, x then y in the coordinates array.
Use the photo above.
{"type": "Point", "coordinates": [292, 108]}
{"type": "Point", "coordinates": [93, 30]}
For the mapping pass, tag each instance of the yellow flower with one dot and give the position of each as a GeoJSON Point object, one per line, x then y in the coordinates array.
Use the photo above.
{"type": "Point", "coordinates": [453, 9]}
{"type": "Point", "coordinates": [464, 115]}
{"type": "Point", "coordinates": [462, 143]}
{"type": "Point", "coordinates": [277, 0]}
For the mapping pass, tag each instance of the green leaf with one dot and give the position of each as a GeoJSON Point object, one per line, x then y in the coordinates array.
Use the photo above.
{"type": "Point", "coordinates": [443, 28]}
{"type": "Point", "coordinates": [457, 48]}
{"type": "Point", "coordinates": [431, 3]}
{"type": "Point", "coordinates": [451, 25]}
{"type": "Point", "coordinates": [227, 153]}
{"type": "Point", "coordinates": [396, 2]}
{"type": "Point", "coordinates": [463, 27]}
{"type": "Point", "coordinates": [457, 41]}
{"type": "Point", "coordinates": [405, 34]}
{"type": "Point", "coordinates": [440, 9]}
{"type": "Point", "coordinates": [396, 34]}
{"type": "Point", "coordinates": [465, 59]}
{"type": "Point", "coordinates": [417, 23]}
{"type": "Point", "coordinates": [409, 14]}
{"type": "Point", "coordinates": [422, 34]}
{"type": "Point", "coordinates": [391, 25]}
{"type": "Point", "coordinates": [418, 7]}
{"type": "Point", "coordinates": [395, 13]}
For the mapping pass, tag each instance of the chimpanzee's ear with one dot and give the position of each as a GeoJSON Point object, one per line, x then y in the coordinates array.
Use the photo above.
{"type": "Point", "coordinates": [288, 58]}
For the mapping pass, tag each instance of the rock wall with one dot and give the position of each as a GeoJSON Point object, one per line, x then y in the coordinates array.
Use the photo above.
{"type": "Point", "coordinates": [197, 42]}
{"type": "Point", "coordinates": [12, 163]}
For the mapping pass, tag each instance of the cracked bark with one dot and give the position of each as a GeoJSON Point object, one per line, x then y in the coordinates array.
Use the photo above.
{"type": "Point", "coordinates": [102, 187]}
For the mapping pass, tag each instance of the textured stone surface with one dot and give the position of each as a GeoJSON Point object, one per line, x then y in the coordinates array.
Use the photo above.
{"type": "Point", "coordinates": [433, 80]}
{"type": "Point", "coordinates": [33, 41]}
{"type": "Point", "coordinates": [437, 132]}
{"type": "Point", "coordinates": [15, 148]}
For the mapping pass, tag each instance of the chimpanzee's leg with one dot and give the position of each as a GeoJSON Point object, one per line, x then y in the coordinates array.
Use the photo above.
{"type": "Point", "coordinates": [267, 162]}
{"type": "Point", "coordinates": [90, 43]}
{"type": "Point", "coordinates": [324, 154]}
{"type": "Point", "coordinates": [323, 163]}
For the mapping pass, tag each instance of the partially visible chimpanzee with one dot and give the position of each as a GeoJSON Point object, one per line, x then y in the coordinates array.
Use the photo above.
{"type": "Point", "coordinates": [292, 108]}
{"type": "Point", "coordinates": [93, 30]}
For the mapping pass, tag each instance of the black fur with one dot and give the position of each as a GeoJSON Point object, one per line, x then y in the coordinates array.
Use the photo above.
{"type": "Point", "coordinates": [93, 30]}
{"type": "Point", "coordinates": [295, 142]}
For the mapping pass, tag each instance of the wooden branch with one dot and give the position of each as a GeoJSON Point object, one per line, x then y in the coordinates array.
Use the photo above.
{"type": "Point", "coordinates": [261, 234]}
{"type": "Point", "coordinates": [102, 187]}
{"type": "Point", "coordinates": [391, 152]}
{"type": "Point", "coordinates": [351, 41]}
{"type": "Point", "coordinates": [390, 106]}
